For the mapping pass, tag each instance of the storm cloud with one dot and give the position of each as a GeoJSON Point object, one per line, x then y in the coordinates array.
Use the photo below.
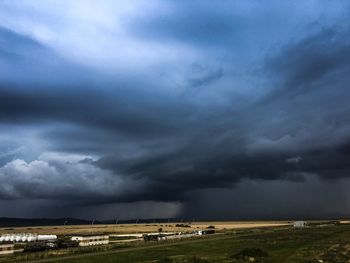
{"type": "Point", "coordinates": [169, 102]}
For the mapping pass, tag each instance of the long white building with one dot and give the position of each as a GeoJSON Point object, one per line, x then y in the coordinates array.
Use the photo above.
{"type": "Point", "coordinates": [22, 237]}
{"type": "Point", "coordinates": [85, 241]}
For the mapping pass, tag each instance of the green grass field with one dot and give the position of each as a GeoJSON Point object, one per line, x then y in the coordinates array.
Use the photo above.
{"type": "Point", "coordinates": [313, 244]}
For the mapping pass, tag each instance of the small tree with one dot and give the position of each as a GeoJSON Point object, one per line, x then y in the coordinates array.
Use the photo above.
{"type": "Point", "coordinates": [66, 242]}
{"type": "Point", "coordinates": [250, 254]}
{"type": "Point", "coordinates": [35, 247]}
{"type": "Point", "coordinates": [190, 259]}
{"type": "Point", "coordinates": [160, 230]}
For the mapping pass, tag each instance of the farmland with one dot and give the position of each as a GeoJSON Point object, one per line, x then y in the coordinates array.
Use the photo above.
{"type": "Point", "coordinates": [139, 228]}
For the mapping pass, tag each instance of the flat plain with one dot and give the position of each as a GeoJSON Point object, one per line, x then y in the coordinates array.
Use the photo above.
{"type": "Point", "coordinates": [320, 244]}
{"type": "Point", "coordinates": [271, 242]}
{"type": "Point", "coordinates": [140, 228]}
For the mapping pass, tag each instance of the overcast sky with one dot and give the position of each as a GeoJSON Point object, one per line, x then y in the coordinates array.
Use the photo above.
{"type": "Point", "coordinates": [202, 109]}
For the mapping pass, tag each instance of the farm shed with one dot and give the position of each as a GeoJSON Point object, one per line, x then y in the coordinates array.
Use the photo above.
{"type": "Point", "coordinates": [85, 241]}
{"type": "Point", "coordinates": [7, 249]}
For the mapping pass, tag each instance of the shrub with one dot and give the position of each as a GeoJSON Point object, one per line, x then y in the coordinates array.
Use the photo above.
{"type": "Point", "coordinates": [35, 247]}
{"type": "Point", "coordinates": [250, 254]}
{"type": "Point", "coordinates": [66, 242]}
{"type": "Point", "coordinates": [191, 259]}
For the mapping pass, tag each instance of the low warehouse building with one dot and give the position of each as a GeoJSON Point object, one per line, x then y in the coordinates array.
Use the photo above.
{"type": "Point", "coordinates": [85, 241]}
{"type": "Point", "coordinates": [6, 249]}
{"type": "Point", "coordinates": [299, 224]}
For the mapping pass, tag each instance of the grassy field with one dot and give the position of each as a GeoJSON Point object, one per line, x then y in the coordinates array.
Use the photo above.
{"type": "Point", "coordinates": [136, 228]}
{"type": "Point", "coordinates": [316, 244]}
{"type": "Point", "coordinates": [319, 244]}
{"type": "Point", "coordinates": [262, 242]}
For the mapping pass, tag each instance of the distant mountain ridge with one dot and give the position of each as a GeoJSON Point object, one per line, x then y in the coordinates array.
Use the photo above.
{"type": "Point", "coordinates": [19, 222]}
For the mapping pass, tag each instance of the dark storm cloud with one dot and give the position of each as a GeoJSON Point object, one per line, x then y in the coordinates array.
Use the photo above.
{"type": "Point", "coordinates": [193, 22]}
{"type": "Point", "coordinates": [227, 161]}
{"type": "Point", "coordinates": [77, 97]}
{"type": "Point", "coordinates": [139, 132]}
{"type": "Point", "coordinates": [204, 76]}
{"type": "Point", "coordinates": [185, 150]}
{"type": "Point", "coordinates": [271, 200]}
{"type": "Point", "coordinates": [312, 60]}
{"type": "Point", "coordinates": [114, 111]}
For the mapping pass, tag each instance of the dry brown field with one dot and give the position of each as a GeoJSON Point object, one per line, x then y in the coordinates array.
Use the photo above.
{"type": "Point", "coordinates": [140, 228]}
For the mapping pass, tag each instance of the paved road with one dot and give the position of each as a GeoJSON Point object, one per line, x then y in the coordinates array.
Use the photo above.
{"type": "Point", "coordinates": [121, 250]}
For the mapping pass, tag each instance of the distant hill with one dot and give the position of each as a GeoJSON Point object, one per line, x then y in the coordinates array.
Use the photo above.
{"type": "Point", "coordinates": [18, 222]}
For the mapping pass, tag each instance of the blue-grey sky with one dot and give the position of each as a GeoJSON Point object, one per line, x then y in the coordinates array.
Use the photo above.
{"type": "Point", "coordinates": [207, 109]}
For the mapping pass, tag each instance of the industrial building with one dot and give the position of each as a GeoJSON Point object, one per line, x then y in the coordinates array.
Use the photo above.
{"type": "Point", "coordinates": [6, 249]}
{"type": "Point", "coordinates": [85, 241]}
{"type": "Point", "coordinates": [299, 224]}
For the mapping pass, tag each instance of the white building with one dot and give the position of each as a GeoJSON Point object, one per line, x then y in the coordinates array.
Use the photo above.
{"type": "Point", "coordinates": [6, 249]}
{"type": "Point", "coordinates": [199, 232]}
{"type": "Point", "coordinates": [299, 224]}
{"type": "Point", "coordinates": [23, 237]}
{"type": "Point", "coordinates": [85, 241]}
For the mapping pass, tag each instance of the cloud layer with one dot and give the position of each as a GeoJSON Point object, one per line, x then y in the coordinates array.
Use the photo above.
{"type": "Point", "coordinates": [105, 105]}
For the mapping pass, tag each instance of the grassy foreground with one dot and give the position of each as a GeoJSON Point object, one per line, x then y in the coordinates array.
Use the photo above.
{"type": "Point", "coordinates": [314, 244]}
